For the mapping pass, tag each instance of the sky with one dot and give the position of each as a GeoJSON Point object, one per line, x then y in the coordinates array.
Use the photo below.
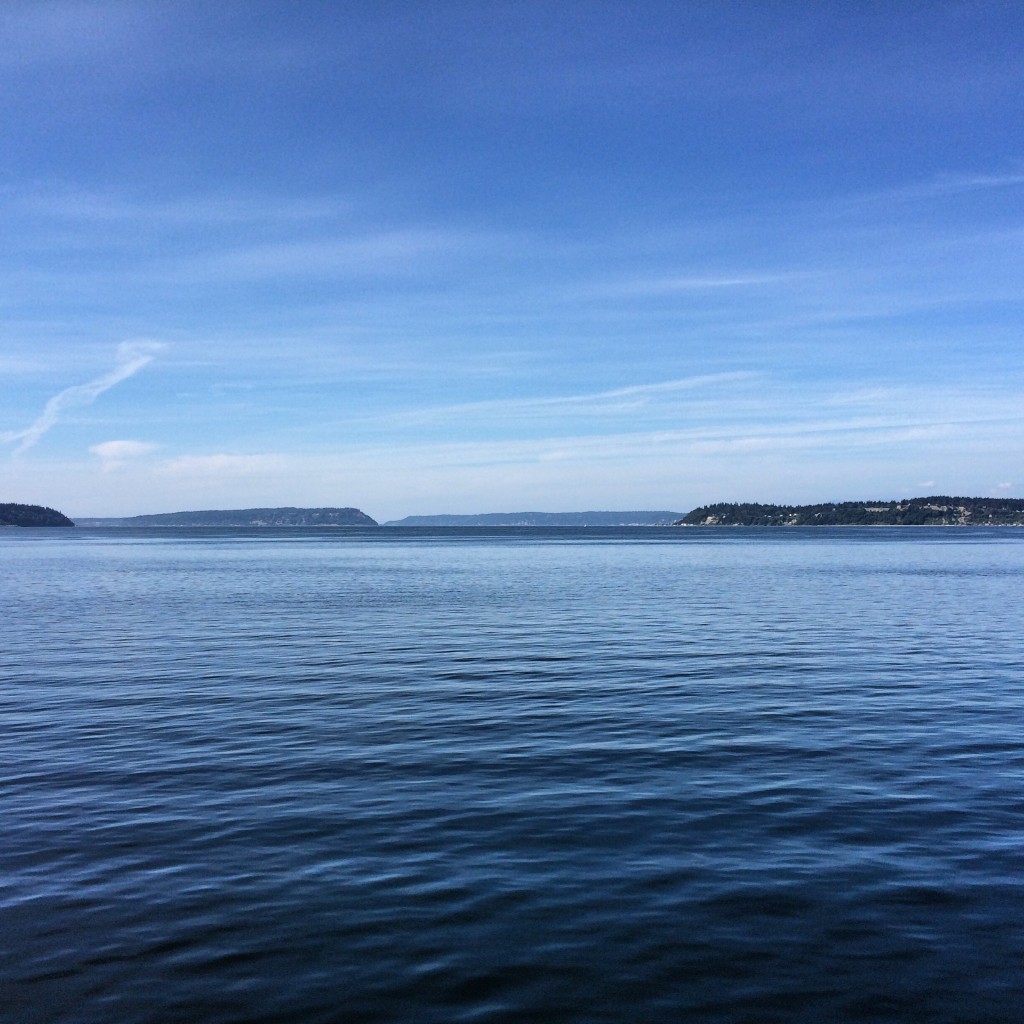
{"type": "Point", "coordinates": [506, 255]}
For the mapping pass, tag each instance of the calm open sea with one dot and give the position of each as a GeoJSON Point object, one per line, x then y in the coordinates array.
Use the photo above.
{"type": "Point", "coordinates": [512, 775]}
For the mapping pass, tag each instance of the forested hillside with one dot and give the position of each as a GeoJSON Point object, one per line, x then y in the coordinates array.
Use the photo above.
{"type": "Point", "coordinates": [938, 510]}
{"type": "Point", "coordinates": [13, 514]}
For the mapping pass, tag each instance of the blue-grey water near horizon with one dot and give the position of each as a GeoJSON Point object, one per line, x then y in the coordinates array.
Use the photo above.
{"type": "Point", "coordinates": [734, 775]}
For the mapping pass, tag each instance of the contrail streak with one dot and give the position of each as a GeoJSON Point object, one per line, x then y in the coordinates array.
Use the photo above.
{"type": "Point", "coordinates": [132, 356]}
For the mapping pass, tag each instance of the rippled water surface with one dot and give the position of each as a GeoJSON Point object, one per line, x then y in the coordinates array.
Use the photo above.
{"type": "Point", "coordinates": [517, 775]}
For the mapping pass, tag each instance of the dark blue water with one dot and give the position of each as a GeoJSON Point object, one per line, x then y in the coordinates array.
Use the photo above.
{"type": "Point", "coordinates": [551, 776]}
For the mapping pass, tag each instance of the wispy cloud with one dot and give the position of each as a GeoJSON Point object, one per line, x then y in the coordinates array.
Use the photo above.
{"type": "Point", "coordinates": [203, 210]}
{"type": "Point", "coordinates": [673, 285]}
{"type": "Point", "coordinates": [632, 391]}
{"type": "Point", "coordinates": [372, 253]}
{"type": "Point", "coordinates": [132, 356]}
{"type": "Point", "coordinates": [591, 401]}
{"type": "Point", "coordinates": [818, 460]}
{"type": "Point", "coordinates": [941, 186]}
{"type": "Point", "coordinates": [952, 184]}
{"type": "Point", "coordinates": [114, 455]}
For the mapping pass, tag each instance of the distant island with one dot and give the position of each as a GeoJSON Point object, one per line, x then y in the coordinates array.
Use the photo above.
{"type": "Point", "coordinates": [244, 517]}
{"type": "Point", "coordinates": [544, 519]}
{"type": "Point", "coordinates": [13, 514]}
{"type": "Point", "coordinates": [938, 510]}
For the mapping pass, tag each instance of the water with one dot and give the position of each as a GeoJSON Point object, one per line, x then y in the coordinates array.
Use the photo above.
{"type": "Point", "coordinates": [514, 775]}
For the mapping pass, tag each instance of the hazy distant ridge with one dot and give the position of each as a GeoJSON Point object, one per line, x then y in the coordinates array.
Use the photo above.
{"type": "Point", "coordinates": [937, 510]}
{"type": "Point", "coordinates": [543, 519]}
{"type": "Point", "coordinates": [244, 517]}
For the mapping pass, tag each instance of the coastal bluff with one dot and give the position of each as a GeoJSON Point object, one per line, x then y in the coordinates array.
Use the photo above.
{"type": "Point", "coordinates": [13, 514]}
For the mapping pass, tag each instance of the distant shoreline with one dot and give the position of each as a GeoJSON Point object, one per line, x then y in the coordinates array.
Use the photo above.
{"type": "Point", "coordinates": [935, 510]}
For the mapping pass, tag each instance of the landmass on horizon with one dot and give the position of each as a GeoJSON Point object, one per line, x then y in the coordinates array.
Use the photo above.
{"type": "Point", "coordinates": [256, 517]}
{"type": "Point", "coordinates": [543, 519]}
{"type": "Point", "coordinates": [13, 514]}
{"type": "Point", "coordinates": [936, 510]}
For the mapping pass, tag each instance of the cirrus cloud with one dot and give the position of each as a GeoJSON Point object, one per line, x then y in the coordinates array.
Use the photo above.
{"type": "Point", "coordinates": [132, 356]}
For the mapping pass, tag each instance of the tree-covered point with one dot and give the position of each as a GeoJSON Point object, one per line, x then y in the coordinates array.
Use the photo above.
{"type": "Point", "coordinates": [13, 514]}
{"type": "Point", "coordinates": [937, 510]}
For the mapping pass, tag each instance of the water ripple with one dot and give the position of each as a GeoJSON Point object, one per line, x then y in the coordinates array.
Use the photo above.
{"type": "Point", "coordinates": [567, 776]}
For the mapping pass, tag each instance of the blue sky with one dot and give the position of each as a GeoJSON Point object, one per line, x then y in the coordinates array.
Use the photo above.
{"type": "Point", "coordinates": [487, 256]}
